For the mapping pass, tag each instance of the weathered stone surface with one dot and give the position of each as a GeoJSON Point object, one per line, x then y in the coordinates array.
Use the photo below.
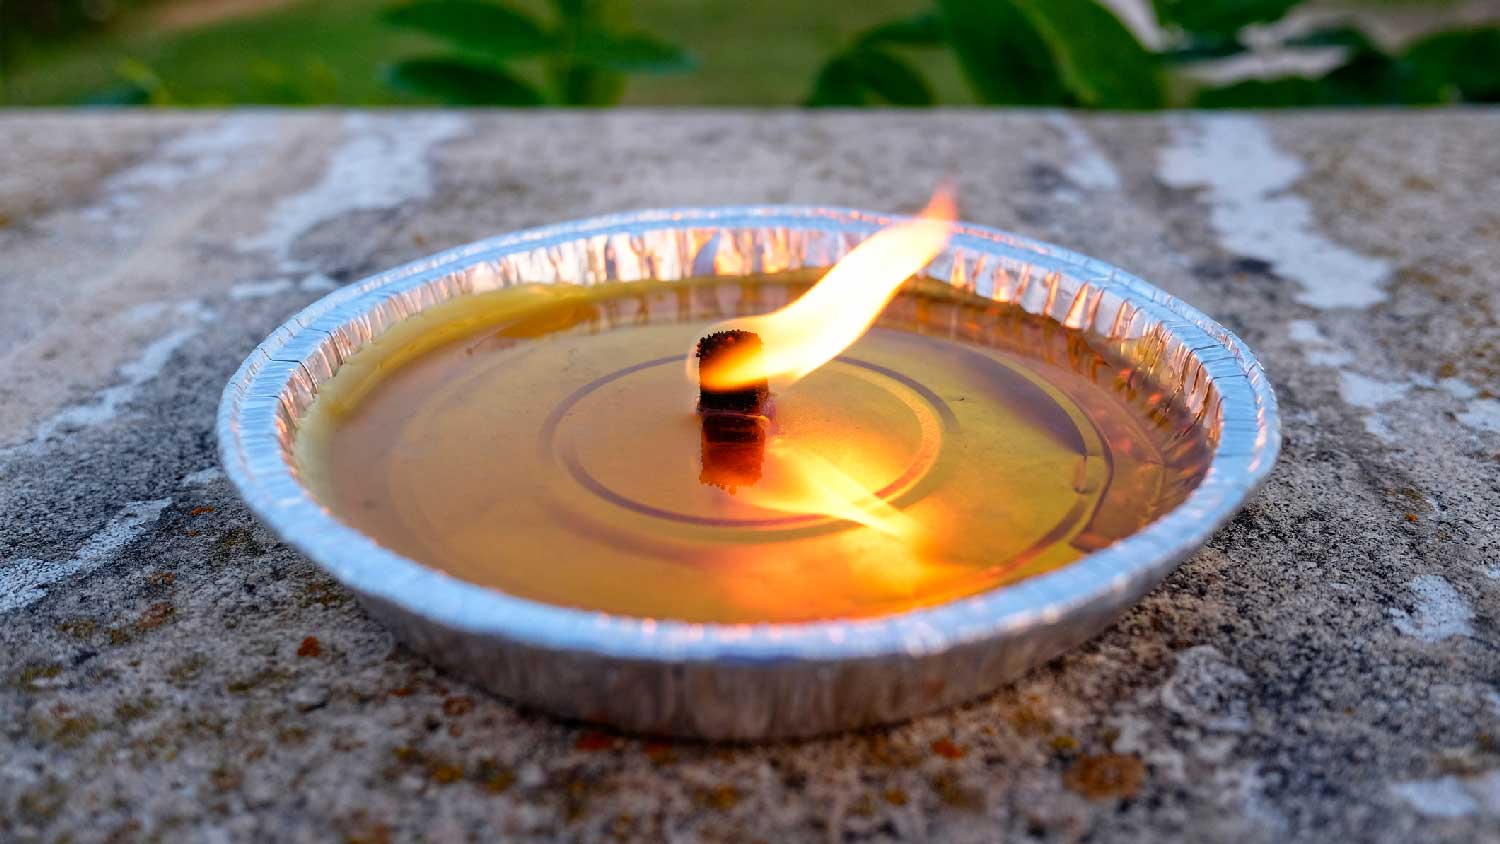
{"type": "Point", "coordinates": [1328, 668]}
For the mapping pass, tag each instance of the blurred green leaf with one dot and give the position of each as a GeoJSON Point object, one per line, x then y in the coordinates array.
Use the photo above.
{"type": "Point", "coordinates": [891, 78]}
{"type": "Point", "coordinates": [866, 72]}
{"type": "Point", "coordinates": [850, 79]}
{"type": "Point", "coordinates": [584, 57]}
{"type": "Point", "coordinates": [305, 83]}
{"type": "Point", "coordinates": [1221, 18]}
{"type": "Point", "coordinates": [631, 53]}
{"type": "Point", "coordinates": [1001, 53]}
{"type": "Point", "coordinates": [487, 28]}
{"type": "Point", "coordinates": [1101, 62]}
{"type": "Point", "coordinates": [570, 9]}
{"type": "Point", "coordinates": [1374, 78]}
{"type": "Point", "coordinates": [140, 75]}
{"type": "Point", "coordinates": [1051, 52]}
{"type": "Point", "coordinates": [924, 29]}
{"type": "Point", "coordinates": [583, 85]}
{"type": "Point", "coordinates": [838, 84]}
{"type": "Point", "coordinates": [461, 82]}
{"type": "Point", "coordinates": [321, 83]}
{"type": "Point", "coordinates": [1463, 62]}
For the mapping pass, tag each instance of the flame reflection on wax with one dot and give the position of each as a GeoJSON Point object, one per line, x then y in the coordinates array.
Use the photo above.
{"type": "Point", "coordinates": [796, 480]}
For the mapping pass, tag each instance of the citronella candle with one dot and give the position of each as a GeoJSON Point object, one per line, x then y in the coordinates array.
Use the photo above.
{"type": "Point", "coordinates": [902, 483]}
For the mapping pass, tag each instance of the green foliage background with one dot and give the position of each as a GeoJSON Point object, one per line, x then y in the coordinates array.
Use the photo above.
{"type": "Point", "coordinates": [600, 52]}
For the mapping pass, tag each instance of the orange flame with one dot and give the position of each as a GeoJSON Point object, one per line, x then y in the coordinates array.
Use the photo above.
{"type": "Point", "coordinates": [842, 306]}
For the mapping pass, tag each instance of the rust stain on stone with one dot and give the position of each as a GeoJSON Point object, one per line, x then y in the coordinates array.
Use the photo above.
{"type": "Point", "coordinates": [225, 779]}
{"type": "Point", "coordinates": [324, 594]}
{"type": "Point", "coordinates": [444, 772]}
{"type": "Point", "coordinates": [882, 751]}
{"type": "Point", "coordinates": [954, 793]}
{"type": "Point", "coordinates": [493, 778]}
{"type": "Point", "coordinates": [948, 750]}
{"type": "Point", "coordinates": [310, 647]}
{"type": "Point", "coordinates": [32, 678]}
{"type": "Point", "coordinates": [593, 741]}
{"type": "Point", "coordinates": [721, 797]}
{"type": "Point", "coordinates": [1104, 777]}
{"type": "Point", "coordinates": [367, 832]}
{"type": "Point", "coordinates": [155, 616]}
{"type": "Point", "coordinates": [659, 752]}
{"type": "Point", "coordinates": [575, 799]}
{"type": "Point", "coordinates": [1027, 721]}
{"type": "Point", "coordinates": [78, 628]}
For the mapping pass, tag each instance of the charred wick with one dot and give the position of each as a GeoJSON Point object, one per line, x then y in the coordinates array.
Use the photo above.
{"type": "Point", "coordinates": [721, 349]}
{"type": "Point", "coordinates": [733, 421]}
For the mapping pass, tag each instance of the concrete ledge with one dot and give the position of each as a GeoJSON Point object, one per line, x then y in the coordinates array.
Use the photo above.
{"type": "Point", "coordinates": [1327, 668]}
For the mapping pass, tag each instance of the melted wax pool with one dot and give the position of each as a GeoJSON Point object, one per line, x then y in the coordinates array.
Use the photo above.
{"type": "Point", "coordinates": [541, 440]}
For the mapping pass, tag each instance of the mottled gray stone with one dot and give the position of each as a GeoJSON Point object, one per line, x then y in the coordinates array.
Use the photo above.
{"type": "Point", "coordinates": [1327, 668]}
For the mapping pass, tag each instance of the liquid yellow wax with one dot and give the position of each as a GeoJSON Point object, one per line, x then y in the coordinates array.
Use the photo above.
{"type": "Point", "coordinates": [495, 438]}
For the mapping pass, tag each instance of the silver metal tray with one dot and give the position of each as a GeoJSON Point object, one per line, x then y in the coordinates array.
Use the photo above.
{"type": "Point", "coordinates": [738, 681]}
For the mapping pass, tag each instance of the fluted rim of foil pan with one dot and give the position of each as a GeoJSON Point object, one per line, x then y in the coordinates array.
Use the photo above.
{"type": "Point", "coordinates": [1208, 365]}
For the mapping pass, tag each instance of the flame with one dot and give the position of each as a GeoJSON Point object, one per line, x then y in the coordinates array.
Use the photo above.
{"type": "Point", "coordinates": [842, 306]}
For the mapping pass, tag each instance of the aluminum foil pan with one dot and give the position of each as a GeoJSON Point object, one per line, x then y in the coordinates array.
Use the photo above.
{"type": "Point", "coordinates": [768, 680]}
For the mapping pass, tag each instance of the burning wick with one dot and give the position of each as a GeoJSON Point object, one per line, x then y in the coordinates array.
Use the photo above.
{"type": "Point", "coordinates": [738, 359]}
{"type": "Point", "coordinates": [737, 350]}
{"type": "Point", "coordinates": [735, 419]}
